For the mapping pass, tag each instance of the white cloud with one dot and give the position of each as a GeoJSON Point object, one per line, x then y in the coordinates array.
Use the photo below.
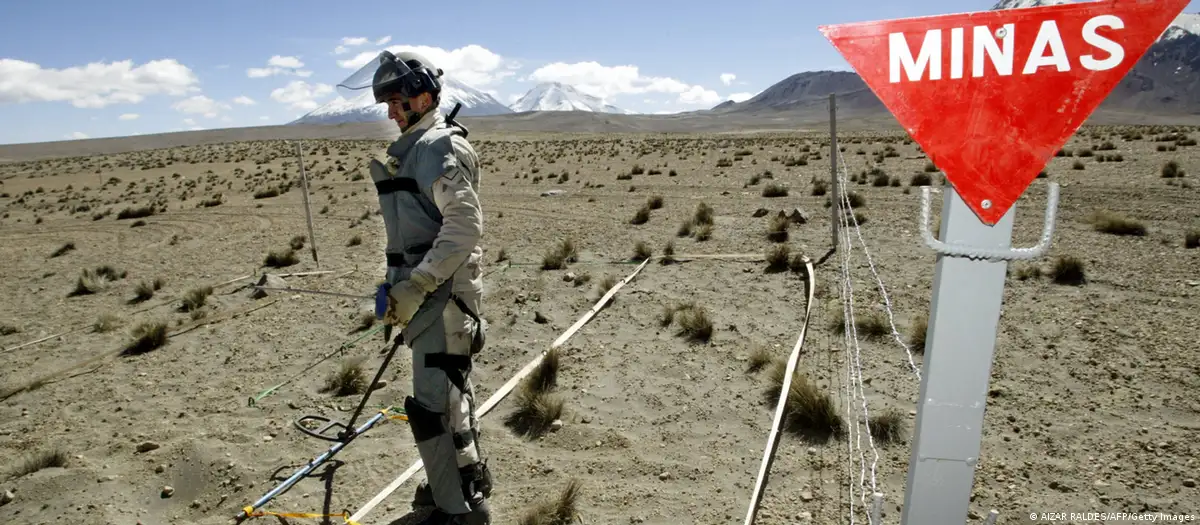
{"type": "Point", "coordinates": [244, 100]}
{"type": "Point", "coordinates": [473, 64]}
{"type": "Point", "coordinates": [356, 41]}
{"type": "Point", "coordinates": [226, 118]}
{"type": "Point", "coordinates": [279, 65]}
{"type": "Point", "coordinates": [741, 97]}
{"type": "Point", "coordinates": [190, 122]}
{"type": "Point", "coordinates": [264, 118]}
{"type": "Point", "coordinates": [699, 95]}
{"type": "Point", "coordinates": [728, 78]}
{"type": "Point", "coordinates": [285, 62]}
{"type": "Point", "coordinates": [301, 95]}
{"type": "Point", "coordinates": [95, 85]}
{"type": "Point", "coordinates": [77, 135]}
{"type": "Point", "coordinates": [609, 81]}
{"type": "Point", "coordinates": [128, 116]}
{"type": "Point", "coordinates": [200, 105]}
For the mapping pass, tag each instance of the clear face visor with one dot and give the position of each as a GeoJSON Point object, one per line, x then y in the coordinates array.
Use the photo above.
{"type": "Point", "coordinates": [364, 78]}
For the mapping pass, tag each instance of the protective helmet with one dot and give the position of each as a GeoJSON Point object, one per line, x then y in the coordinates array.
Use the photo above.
{"type": "Point", "coordinates": [405, 73]}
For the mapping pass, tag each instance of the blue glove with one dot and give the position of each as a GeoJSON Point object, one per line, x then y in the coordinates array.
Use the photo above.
{"type": "Point", "coordinates": [381, 300]}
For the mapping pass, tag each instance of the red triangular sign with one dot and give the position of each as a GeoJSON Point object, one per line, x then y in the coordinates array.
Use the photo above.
{"type": "Point", "coordinates": [991, 96]}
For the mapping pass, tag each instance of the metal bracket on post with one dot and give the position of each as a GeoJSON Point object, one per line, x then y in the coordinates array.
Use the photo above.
{"type": "Point", "coordinates": [968, 292]}
{"type": "Point", "coordinates": [1010, 254]}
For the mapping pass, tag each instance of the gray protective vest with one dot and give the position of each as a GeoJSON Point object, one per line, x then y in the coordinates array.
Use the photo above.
{"type": "Point", "coordinates": [411, 216]}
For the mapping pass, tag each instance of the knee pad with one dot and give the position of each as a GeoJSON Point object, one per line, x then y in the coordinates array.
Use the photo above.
{"type": "Point", "coordinates": [425, 424]}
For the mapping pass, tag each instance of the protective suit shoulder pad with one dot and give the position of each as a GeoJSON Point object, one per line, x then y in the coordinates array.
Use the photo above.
{"type": "Point", "coordinates": [440, 152]}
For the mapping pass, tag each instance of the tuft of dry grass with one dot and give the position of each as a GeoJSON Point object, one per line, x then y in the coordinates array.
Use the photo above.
{"type": "Point", "coordinates": [774, 190]}
{"type": "Point", "coordinates": [703, 215]}
{"type": "Point", "coordinates": [888, 427]}
{"type": "Point", "coordinates": [642, 216]}
{"type": "Point", "coordinates": [348, 380]}
{"type": "Point", "coordinates": [54, 458]}
{"type": "Point", "coordinates": [92, 281]}
{"type": "Point", "coordinates": [760, 357]}
{"type": "Point", "coordinates": [536, 412]}
{"type": "Point", "coordinates": [1191, 239]}
{"type": "Point", "coordinates": [777, 230]}
{"type": "Point", "coordinates": [1116, 224]}
{"type": "Point", "coordinates": [1068, 270]}
{"type": "Point", "coordinates": [147, 337]}
{"type": "Point", "coordinates": [8, 329]}
{"type": "Point", "coordinates": [562, 255]}
{"type": "Point", "coordinates": [365, 321]}
{"type": "Point", "coordinates": [63, 250]}
{"type": "Point", "coordinates": [544, 377]}
{"type": "Point", "coordinates": [668, 256]}
{"type": "Point", "coordinates": [106, 323]}
{"type": "Point", "coordinates": [695, 324]}
{"type": "Point", "coordinates": [1028, 271]}
{"type": "Point", "coordinates": [195, 298]}
{"type": "Point", "coordinates": [777, 258]}
{"type": "Point", "coordinates": [354, 241]}
{"type": "Point", "coordinates": [641, 251]}
{"type": "Point", "coordinates": [808, 412]}
{"type": "Point", "coordinates": [297, 242]}
{"type": "Point", "coordinates": [917, 333]}
{"type": "Point", "coordinates": [562, 510]}
{"type": "Point", "coordinates": [281, 258]}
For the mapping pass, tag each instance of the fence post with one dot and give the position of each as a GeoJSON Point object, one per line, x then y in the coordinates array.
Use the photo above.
{"type": "Point", "coordinates": [312, 238]}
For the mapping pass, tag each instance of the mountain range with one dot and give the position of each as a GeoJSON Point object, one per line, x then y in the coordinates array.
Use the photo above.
{"type": "Point", "coordinates": [1165, 82]}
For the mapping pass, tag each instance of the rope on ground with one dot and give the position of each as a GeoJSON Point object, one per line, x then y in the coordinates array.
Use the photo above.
{"type": "Point", "coordinates": [46, 379]}
{"type": "Point", "coordinates": [153, 306]}
{"type": "Point", "coordinates": [253, 400]}
{"type": "Point", "coordinates": [781, 405]}
{"type": "Point", "coordinates": [251, 513]}
{"type": "Point", "coordinates": [504, 390]}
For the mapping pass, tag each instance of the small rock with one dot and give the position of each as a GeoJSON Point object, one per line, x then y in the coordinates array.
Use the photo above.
{"type": "Point", "coordinates": [267, 438]}
{"type": "Point", "coordinates": [806, 495]}
{"type": "Point", "coordinates": [585, 419]}
{"type": "Point", "coordinates": [552, 193]}
{"type": "Point", "coordinates": [539, 318]}
{"type": "Point", "coordinates": [381, 384]}
{"type": "Point", "coordinates": [195, 504]}
{"type": "Point", "coordinates": [569, 277]}
{"type": "Point", "coordinates": [270, 281]}
{"type": "Point", "coordinates": [761, 212]}
{"type": "Point", "coordinates": [798, 216]}
{"type": "Point", "coordinates": [7, 497]}
{"type": "Point", "coordinates": [664, 476]}
{"type": "Point", "coordinates": [1189, 483]}
{"type": "Point", "coordinates": [973, 515]}
{"type": "Point", "coordinates": [168, 491]}
{"type": "Point", "coordinates": [160, 469]}
{"type": "Point", "coordinates": [147, 446]}
{"type": "Point", "coordinates": [556, 425]}
{"type": "Point", "coordinates": [292, 405]}
{"type": "Point", "coordinates": [111, 477]}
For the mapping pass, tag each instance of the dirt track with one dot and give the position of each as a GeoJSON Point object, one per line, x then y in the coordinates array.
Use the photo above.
{"type": "Point", "coordinates": [1094, 405]}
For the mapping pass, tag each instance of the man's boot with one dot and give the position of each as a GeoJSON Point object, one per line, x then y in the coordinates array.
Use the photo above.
{"type": "Point", "coordinates": [423, 496]}
{"type": "Point", "coordinates": [481, 514]}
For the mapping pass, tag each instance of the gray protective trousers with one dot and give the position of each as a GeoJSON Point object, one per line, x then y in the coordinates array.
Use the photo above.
{"type": "Point", "coordinates": [431, 211]}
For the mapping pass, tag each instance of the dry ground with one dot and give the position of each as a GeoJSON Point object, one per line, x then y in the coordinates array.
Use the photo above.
{"type": "Point", "coordinates": [1094, 400]}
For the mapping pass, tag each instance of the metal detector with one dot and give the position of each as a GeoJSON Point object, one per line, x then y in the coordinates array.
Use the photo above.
{"type": "Point", "coordinates": [346, 433]}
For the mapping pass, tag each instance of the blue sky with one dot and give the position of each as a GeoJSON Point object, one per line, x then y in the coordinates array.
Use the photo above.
{"type": "Point", "coordinates": [78, 68]}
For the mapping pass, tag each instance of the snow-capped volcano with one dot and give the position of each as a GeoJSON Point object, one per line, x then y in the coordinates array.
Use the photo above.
{"type": "Point", "coordinates": [362, 108]}
{"type": "Point", "coordinates": [553, 96]}
{"type": "Point", "coordinates": [1184, 24]}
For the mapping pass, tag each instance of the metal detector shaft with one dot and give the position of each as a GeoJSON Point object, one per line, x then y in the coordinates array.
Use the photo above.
{"type": "Point", "coordinates": [312, 465]}
{"type": "Point", "coordinates": [371, 388]}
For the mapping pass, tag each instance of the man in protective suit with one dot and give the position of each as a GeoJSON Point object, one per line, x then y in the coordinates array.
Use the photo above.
{"type": "Point", "coordinates": [428, 193]}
